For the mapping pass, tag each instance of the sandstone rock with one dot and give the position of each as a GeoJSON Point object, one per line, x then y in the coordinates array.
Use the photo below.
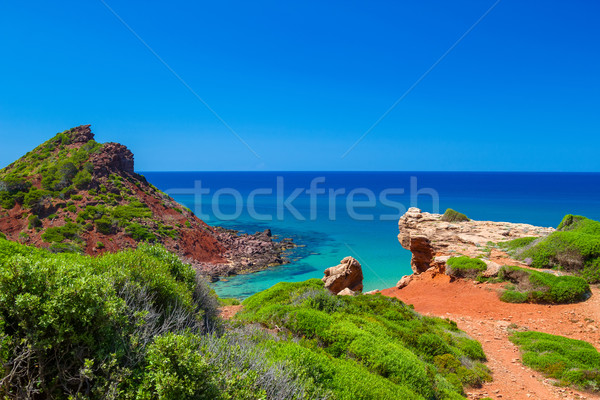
{"type": "Point", "coordinates": [348, 274]}
{"type": "Point", "coordinates": [406, 279]}
{"type": "Point", "coordinates": [432, 241]}
{"type": "Point", "coordinates": [346, 292]}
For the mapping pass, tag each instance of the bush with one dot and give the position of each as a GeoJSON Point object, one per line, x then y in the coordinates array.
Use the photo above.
{"type": "Point", "coordinates": [34, 197]}
{"type": "Point", "coordinates": [465, 267]}
{"type": "Point", "coordinates": [454, 216]}
{"type": "Point", "coordinates": [81, 327]}
{"type": "Point", "coordinates": [176, 370]}
{"type": "Point", "coordinates": [59, 234]}
{"type": "Point", "coordinates": [541, 287]}
{"type": "Point", "coordinates": [104, 225]}
{"type": "Point", "coordinates": [572, 362]}
{"type": "Point", "coordinates": [575, 246]}
{"type": "Point", "coordinates": [375, 342]}
{"type": "Point", "coordinates": [34, 222]}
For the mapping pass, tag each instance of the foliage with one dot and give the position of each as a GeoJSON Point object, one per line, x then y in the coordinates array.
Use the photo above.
{"type": "Point", "coordinates": [72, 324]}
{"type": "Point", "coordinates": [575, 246]}
{"type": "Point", "coordinates": [366, 347]}
{"type": "Point", "coordinates": [465, 267]}
{"type": "Point", "coordinates": [542, 287]}
{"type": "Point", "coordinates": [454, 216]}
{"type": "Point", "coordinates": [59, 234]}
{"type": "Point", "coordinates": [572, 362]}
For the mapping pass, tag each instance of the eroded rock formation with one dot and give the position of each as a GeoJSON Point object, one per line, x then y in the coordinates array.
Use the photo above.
{"type": "Point", "coordinates": [347, 275]}
{"type": "Point", "coordinates": [432, 241]}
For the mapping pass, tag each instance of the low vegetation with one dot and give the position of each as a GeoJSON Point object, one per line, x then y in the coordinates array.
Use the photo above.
{"type": "Point", "coordinates": [131, 325]}
{"type": "Point", "coordinates": [574, 247]}
{"type": "Point", "coordinates": [529, 286]}
{"type": "Point", "coordinates": [366, 347]}
{"type": "Point", "coordinates": [454, 216]}
{"type": "Point", "coordinates": [68, 203]}
{"type": "Point", "coordinates": [141, 325]}
{"type": "Point", "coordinates": [465, 267]}
{"type": "Point", "coordinates": [569, 361]}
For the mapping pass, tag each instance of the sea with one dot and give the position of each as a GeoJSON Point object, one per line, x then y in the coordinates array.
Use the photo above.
{"type": "Point", "coordinates": [331, 215]}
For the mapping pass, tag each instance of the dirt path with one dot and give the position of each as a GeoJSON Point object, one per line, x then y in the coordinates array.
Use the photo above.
{"type": "Point", "coordinates": [478, 311]}
{"type": "Point", "coordinates": [228, 312]}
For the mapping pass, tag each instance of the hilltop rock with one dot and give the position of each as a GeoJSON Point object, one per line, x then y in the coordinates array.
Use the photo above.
{"type": "Point", "coordinates": [347, 275]}
{"type": "Point", "coordinates": [82, 134]}
{"type": "Point", "coordinates": [113, 157]}
{"type": "Point", "coordinates": [432, 241]}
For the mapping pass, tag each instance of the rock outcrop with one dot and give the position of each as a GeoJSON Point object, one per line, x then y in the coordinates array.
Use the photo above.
{"type": "Point", "coordinates": [347, 275]}
{"type": "Point", "coordinates": [74, 194]}
{"type": "Point", "coordinates": [432, 241]}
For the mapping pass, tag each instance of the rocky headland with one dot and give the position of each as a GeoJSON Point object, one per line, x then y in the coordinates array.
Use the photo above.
{"type": "Point", "coordinates": [74, 194]}
{"type": "Point", "coordinates": [432, 241]}
{"type": "Point", "coordinates": [476, 305]}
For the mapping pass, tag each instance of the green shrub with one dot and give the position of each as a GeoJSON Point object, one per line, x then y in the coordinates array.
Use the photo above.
{"type": "Point", "coordinates": [371, 339]}
{"type": "Point", "coordinates": [454, 216]}
{"type": "Point", "coordinates": [465, 267]}
{"type": "Point", "coordinates": [65, 248]}
{"type": "Point", "coordinates": [517, 243]}
{"type": "Point", "coordinates": [34, 222]}
{"type": "Point", "coordinates": [541, 287]}
{"type": "Point", "coordinates": [140, 233]}
{"type": "Point", "coordinates": [34, 197]}
{"type": "Point", "coordinates": [59, 234]}
{"type": "Point", "coordinates": [7, 201]}
{"type": "Point", "coordinates": [104, 225]}
{"type": "Point", "coordinates": [176, 370]}
{"type": "Point", "coordinates": [572, 362]}
{"type": "Point", "coordinates": [85, 327]}
{"type": "Point", "coordinates": [575, 247]}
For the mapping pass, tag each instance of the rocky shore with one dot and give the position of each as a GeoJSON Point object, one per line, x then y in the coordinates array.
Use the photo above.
{"type": "Point", "coordinates": [247, 253]}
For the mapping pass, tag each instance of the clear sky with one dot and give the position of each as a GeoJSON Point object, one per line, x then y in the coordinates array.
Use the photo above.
{"type": "Point", "coordinates": [300, 82]}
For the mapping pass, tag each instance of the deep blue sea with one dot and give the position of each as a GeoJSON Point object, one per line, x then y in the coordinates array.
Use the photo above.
{"type": "Point", "coordinates": [336, 214]}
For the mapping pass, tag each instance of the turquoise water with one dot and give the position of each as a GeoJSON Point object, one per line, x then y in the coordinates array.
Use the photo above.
{"type": "Point", "coordinates": [329, 230]}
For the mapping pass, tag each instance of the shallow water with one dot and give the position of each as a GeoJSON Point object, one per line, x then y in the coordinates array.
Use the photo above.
{"type": "Point", "coordinates": [362, 221]}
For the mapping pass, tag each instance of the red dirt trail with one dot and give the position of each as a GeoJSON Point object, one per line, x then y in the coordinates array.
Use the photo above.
{"type": "Point", "coordinates": [478, 311]}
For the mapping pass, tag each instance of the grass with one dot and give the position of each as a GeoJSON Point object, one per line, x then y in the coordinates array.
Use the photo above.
{"type": "Point", "coordinates": [367, 346]}
{"type": "Point", "coordinates": [574, 247]}
{"type": "Point", "coordinates": [569, 361]}
{"type": "Point", "coordinates": [454, 216]}
{"type": "Point", "coordinates": [465, 267]}
{"type": "Point", "coordinates": [530, 286]}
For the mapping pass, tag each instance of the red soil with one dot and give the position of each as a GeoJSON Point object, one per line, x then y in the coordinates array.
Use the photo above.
{"type": "Point", "coordinates": [477, 310]}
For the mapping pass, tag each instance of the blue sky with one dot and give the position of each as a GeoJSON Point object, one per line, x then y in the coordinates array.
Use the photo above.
{"type": "Point", "coordinates": [300, 82]}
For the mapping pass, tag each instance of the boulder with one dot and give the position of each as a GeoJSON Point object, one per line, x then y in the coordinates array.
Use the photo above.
{"type": "Point", "coordinates": [406, 279]}
{"type": "Point", "coordinates": [346, 292]}
{"type": "Point", "coordinates": [347, 275]}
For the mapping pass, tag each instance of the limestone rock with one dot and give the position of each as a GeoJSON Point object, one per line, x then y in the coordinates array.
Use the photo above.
{"type": "Point", "coordinates": [348, 274]}
{"type": "Point", "coordinates": [432, 241]}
